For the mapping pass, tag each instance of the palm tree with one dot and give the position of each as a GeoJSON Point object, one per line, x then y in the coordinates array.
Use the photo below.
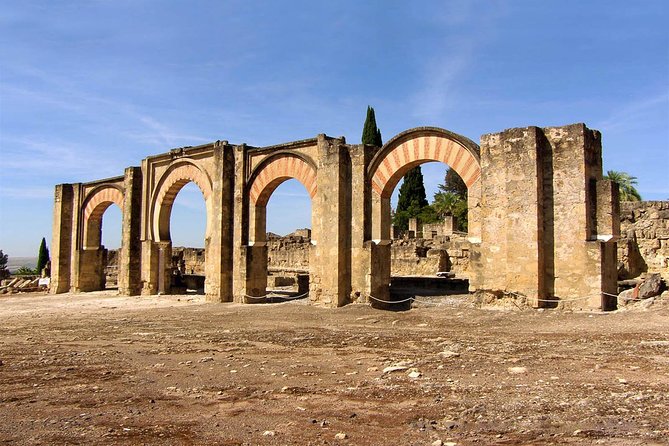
{"type": "Point", "coordinates": [626, 184]}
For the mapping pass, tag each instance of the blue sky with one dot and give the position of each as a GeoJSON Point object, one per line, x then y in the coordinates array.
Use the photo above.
{"type": "Point", "coordinates": [88, 88]}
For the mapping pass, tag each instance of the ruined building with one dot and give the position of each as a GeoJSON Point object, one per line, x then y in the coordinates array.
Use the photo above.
{"type": "Point", "coordinates": [543, 224]}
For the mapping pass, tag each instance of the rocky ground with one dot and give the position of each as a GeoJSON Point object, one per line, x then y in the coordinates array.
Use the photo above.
{"type": "Point", "coordinates": [101, 369]}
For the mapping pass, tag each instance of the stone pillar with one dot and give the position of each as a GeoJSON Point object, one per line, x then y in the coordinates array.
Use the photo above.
{"type": "Point", "coordinates": [92, 269]}
{"type": "Point", "coordinates": [249, 247]}
{"type": "Point", "coordinates": [62, 239]}
{"type": "Point", "coordinates": [512, 216]}
{"type": "Point", "coordinates": [379, 272]}
{"type": "Point", "coordinates": [255, 266]}
{"type": "Point", "coordinates": [584, 257]}
{"type": "Point", "coordinates": [549, 222]}
{"type": "Point", "coordinates": [330, 263]}
{"type": "Point", "coordinates": [164, 269]}
{"type": "Point", "coordinates": [75, 270]}
{"type": "Point", "coordinates": [219, 242]}
{"type": "Point", "coordinates": [413, 226]}
{"type": "Point", "coordinates": [361, 225]}
{"type": "Point", "coordinates": [130, 256]}
{"type": "Point", "coordinates": [448, 225]}
{"type": "Point", "coordinates": [150, 265]}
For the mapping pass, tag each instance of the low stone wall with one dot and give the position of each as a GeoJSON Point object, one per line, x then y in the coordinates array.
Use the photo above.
{"type": "Point", "coordinates": [290, 252]}
{"type": "Point", "coordinates": [427, 257]}
{"type": "Point", "coordinates": [644, 239]}
{"type": "Point", "coordinates": [188, 260]}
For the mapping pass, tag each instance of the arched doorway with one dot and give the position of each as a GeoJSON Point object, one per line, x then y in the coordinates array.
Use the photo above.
{"type": "Point", "coordinates": [264, 181]}
{"type": "Point", "coordinates": [94, 257]}
{"type": "Point", "coordinates": [170, 277]}
{"type": "Point", "coordinates": [402, 153]}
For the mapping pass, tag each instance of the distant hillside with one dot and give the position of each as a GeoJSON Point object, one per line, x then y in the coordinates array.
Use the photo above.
{"type": "Point", "coordinates": [14, 263]}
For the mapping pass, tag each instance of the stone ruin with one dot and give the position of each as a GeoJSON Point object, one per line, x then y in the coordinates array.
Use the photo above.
{"type": "Point", "coordinates": [543, 223]}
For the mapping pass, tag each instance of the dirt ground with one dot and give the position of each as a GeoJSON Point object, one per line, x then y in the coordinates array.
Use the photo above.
{"type": "Point", "coordinates": [96, 368]}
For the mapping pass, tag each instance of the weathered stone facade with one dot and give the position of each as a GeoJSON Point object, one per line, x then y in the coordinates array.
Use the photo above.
{"type": "Point", "coordinates": [542, 221]}
{"type": "Point", "coordinates": [644, 238]}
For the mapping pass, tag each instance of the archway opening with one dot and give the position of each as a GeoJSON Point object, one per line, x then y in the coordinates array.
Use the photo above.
{"type": "Point", "coordinates": [186, 232]}
{"type": "Point", "coordinates": [289, 239]}
{"type": "Point", "coordinates": [111, 231]}
{"type": "Point", "coordinates": [99, 258]}
{"type": "Point", "coordinates": [429, 247]}
{"type": "Point", "coordinates": [397, 158]}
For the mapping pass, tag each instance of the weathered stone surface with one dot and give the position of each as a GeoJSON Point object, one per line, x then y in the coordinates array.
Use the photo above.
{"type": "Point", "coordinates": [542, 222]}
{"type": "Point", "coordinates": [644, 244]}
{"type": "Point", "coordinates": [650, 287]}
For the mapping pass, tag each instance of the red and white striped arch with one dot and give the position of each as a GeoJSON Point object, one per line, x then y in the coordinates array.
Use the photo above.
{"type": "Point", "coordinates": [278, 170]}
{"type": "Point", "coordinates": [177, 178]}
{"type": "Point", "coordinates": [100, 200]}
{"type": "Point", "coordinates": [410, 153]}
{"type": "Point", "coordinates": [96, 205]}
{"type": "Point", "coordinates": [169, 185]}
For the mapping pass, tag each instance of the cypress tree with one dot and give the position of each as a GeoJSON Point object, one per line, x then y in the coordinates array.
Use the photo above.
{"type": "Point", "coordinates": [412, 199]}
{"type": "Point", "coordinates": [370, 133]}
{"type": "Point", "coordinates": [454, 183]}
{"type": "Point", "coordinates": [42, 256]}
{"type": "Point", "coordinates": [4, 272]}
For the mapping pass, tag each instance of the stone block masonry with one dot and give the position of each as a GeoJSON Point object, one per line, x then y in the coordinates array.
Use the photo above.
{"type": "Point", "coordinates": [542, 221]}
{"type": "Point", "coordinates": [644, 239]}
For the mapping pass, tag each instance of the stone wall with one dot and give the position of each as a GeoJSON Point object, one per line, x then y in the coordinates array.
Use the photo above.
{"type": "Point", "coordinates": [290, 252]}
{"type": "Point", "coordinates": [427, 257]}
{"type": "Point", "coordinates": [189, 260]}
{"type": "Point", "coordinates": [410, 257]}
{"type": "Point", "coordinates": [644, 239]}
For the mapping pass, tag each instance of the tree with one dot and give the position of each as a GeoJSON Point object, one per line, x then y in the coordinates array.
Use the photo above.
{"type": "Point", "coordinates": [42, 257]}
{"type": "Point", "coordinates": [449, 203]}
{"type": "Point", "coordinates": [4, 272]}
{"type": "Point", "coordinates": [24, 271]}
{"type": "Point", "coordinates": [454, 183]}
{"type": "Point", "coordinates": [370, 133]}
{"type": "Point", "coordinates": [452, 199]}
{"type": "Point", "coordinates": [626, 184]}
{"type": "Point", "coordinates": [412, 198]}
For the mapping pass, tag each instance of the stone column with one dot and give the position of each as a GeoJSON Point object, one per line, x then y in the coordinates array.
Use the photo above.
{"type": "Point", "coordinates": [75, 253]}
{"type": "Point", "coordinates": [130, 258]}
{"type": "Point", "coordinates": [511, 251]}
{"type": "Point", "coordinates": [379, 251]}
{"type": "Point", "coordinates": [219, 243]}
{"type": "Point", "coordinates": [164, 269]}
{"type": "Point", "coordinates": [249, 250]}
{"type": "Point", "coordinates": [331, 209]}
{"type": "Point", "coordinates": [150, 265]}
{"type": "Point", "coordinates": [586, 221]}
{"type": "Point", "coordinates": [379, 272]}
{"type": "Point", "coordinates": [62, 239]}
{"type": "Point", "coordinates": [361, 225]}
{"type": "Point", "coordinates": [91, 269]}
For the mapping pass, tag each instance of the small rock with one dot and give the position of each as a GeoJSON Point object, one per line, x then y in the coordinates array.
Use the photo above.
{"type": "Point", "coordinates": [437, 443]}
{"type": "Point", "coordinates": [622, 380]}
{"type": "Point", "coordinates": [651, 286]}
{"type": "Point", "coordinates": [414, 374]}
{"type": "Point", "coordinates": [449, 354]}
{"type": "Point", "coordinates": [646, 304]}
{"type": "Point", "coordinates": [517, 370]}
{"type": "Point", "coordinates": [268, 434]}
{"type": "Point", "coordinates": [394, 368]}
{"type": "Point", "coordinates": [372, 369]}
{"type": "Point", "coordinates": [625, 297]}
{"type": "Point", "coordinates": [206, 359]}
{"type": "Point", "coordinates": [449, 424]}
{"type": "Point", "coordinates": [341, 436]}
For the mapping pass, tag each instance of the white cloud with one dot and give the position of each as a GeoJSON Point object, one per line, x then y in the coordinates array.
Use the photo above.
{"type": "Point", "coordinates": [632, 114]}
